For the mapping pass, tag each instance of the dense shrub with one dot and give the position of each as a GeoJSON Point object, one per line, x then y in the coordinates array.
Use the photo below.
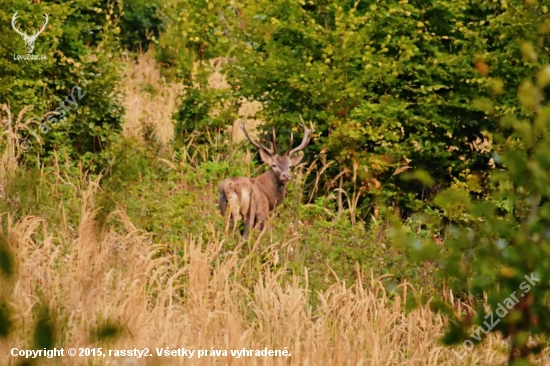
{"type": "Point", "coordinates": [497, 248]}
{"type": "Point", "coordinates": [81, 49]}
{"type": "Point", "coordinates": [389, 86]}
{"type": "Point", "coordinates": [140, 23]}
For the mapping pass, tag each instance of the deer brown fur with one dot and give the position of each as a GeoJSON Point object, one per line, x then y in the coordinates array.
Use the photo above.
{"type": "Point", "coordinates": [252, 199]}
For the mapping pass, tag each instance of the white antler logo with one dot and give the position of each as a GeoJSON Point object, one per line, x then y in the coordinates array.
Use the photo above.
{"type": "Point", "coordinates": [29, 40]}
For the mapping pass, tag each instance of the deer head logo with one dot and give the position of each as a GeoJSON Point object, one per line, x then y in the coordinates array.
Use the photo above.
{"type": "Point", "coordinates": [29, 40]}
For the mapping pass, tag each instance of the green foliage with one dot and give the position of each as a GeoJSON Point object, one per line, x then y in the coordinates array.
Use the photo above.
{"type": "Point", "coordinates": [80, 46]}
{"type": "Point", "coordinates": [140, 23]}
{"type": "Point", "coordinates": [335, 249]}
{"type": "Point", "coordinates": [196, 30]}
{"type": "Point", "coordinates": [201, 110]}
{"type": "Point", "coordinates": [381, 82]}
{"type": "Point", "coordinates": [499, 246]}
{"type": "Point", "coordinates": [412, 105]}
{"type": "Point", "coordinates": [128, 163]}
{"type": "Point", "coordinates": [392, 85]}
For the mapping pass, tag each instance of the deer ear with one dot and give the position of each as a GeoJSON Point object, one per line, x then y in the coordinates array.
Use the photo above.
{"type": "Point", "coordinates": [265, 157]}
{"type": "Point", "coordinates": [296, 160]}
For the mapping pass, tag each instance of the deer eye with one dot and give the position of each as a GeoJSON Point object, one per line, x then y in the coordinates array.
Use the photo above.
{"type": "Point", "coordinates": [274, 166]}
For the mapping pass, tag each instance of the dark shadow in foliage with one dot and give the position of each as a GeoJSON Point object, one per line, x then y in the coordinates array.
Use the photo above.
{"type": "Point", "coordinates": [455, 332]}
{"type": "Point", "coordinates": [6, 259]}
{"type": "Point", "coordinates": [5, 322]}
{"type": "Point", "coordinates": [6, 271]}
{"type": "Point", "coordinates": [107, 331]}
{"type": "Point", "coordinates": [44, 333]}
{"type": "Point", "coordinates": [139, 23]}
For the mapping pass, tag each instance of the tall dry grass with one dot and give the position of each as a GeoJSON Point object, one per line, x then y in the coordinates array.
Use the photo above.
{"type": "Point", "coordinates": [198, 296]}
{"type": "Point", "coordinates": [12, 144]}
{"type": "Point", "coordinates": [151, 101]}
{"type": "Point", "coordinates": [203, 297]}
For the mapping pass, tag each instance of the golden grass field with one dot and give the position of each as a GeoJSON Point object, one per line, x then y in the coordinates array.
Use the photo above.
{"type": "Point", "coordinates": [202, 297]}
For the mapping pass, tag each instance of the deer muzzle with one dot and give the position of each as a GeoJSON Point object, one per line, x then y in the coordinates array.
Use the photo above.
{"type": "Point", "coordinates": [285, 177]}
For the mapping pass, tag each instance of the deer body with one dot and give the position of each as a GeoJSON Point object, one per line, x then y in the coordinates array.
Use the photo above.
{"type": "Point", "coordinates": [273, 189]}
{"type": "Point", "coordinates": [252, 199]}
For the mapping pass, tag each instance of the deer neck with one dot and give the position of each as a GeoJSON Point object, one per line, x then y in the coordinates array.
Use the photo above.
{"type": "Point", "coordinates": [272, 188]}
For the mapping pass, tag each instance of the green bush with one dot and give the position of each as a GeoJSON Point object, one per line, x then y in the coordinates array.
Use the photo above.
{"type": "Point", "coordinates": [389, 86]}
{"type": "Point", "coordinates": [81, 48]}
{"type": "Point", "coordinates": [140, 23]}
{"type": "Point", "coordinates": [498, 248]}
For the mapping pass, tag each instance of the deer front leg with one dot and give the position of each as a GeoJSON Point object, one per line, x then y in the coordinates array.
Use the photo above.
{"type": "Point", "coordinates": [260, 221]}
{"type": "Point", "coordinates": [249, 221]}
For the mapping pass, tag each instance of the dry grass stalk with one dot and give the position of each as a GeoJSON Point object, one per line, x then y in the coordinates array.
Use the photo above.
{"type": "Point", "coordinates": [11, 142]}
{"type": "Point", "coordinates": [150, 100]}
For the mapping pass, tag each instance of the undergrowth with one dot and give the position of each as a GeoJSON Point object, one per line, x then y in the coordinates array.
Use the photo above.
{"type": "Point", "coordinates": [173, 197]}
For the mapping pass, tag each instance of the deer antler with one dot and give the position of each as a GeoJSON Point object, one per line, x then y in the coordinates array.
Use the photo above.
{"type": "Point", "coordinates": [13, 20]}
{"type": "Point", "coordinates": [307, 136]}
{"type": "Point", "coordinates": [274, 143]}
{"type": "Point", "coordinates": [256, 144]}
{"type": "Point", "coordinates": [290, 143]}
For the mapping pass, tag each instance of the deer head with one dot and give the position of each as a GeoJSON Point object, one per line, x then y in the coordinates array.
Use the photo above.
{"type": "Point", "coordinates": [29, 40]}
{"type": "Point", "coordinates": [280, 165]}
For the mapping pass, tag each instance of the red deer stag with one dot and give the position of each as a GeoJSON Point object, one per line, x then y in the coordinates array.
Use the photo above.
{"type": "Point", "coordinates": [252, 199]}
